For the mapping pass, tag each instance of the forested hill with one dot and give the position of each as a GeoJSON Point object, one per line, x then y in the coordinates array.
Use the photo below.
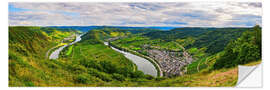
{"type": "Point", "coordinates": [243, 50]}
{"type": "Point", "coordinates": [87, 28]}
{"type": "Point", "coordinates": [209, 28]}
{"type": "Point", "coordinates": [213, 39]}
{"type": "Point", "coordinates": [189, 31]}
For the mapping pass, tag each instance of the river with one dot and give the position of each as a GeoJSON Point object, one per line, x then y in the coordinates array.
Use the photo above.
{"type": "Point", "coordinates": [143, 65]}
{"type": "Point", "coordinates": [56, 53]}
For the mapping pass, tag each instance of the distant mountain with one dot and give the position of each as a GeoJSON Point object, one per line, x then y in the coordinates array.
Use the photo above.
{"type": "Point", "coordinates": [81, 28]}
{"type": "Point", "coordinates": [154, 27]}
{"type": "Point", "coordinates": [87, 28]}
{"type": "Point", "coordinates": [163, 28]}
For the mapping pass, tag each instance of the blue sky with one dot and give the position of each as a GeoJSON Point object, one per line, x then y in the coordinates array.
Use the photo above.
{"type": "Point", "coordinates": [188, 14]}
{"type": "Point", "coordinates": [11, 8]}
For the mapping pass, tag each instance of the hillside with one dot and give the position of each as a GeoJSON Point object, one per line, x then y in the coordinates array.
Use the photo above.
{"type": "Point", "coordinates": [91, 63]}
{"type": "Point", "coordinates": [27, 54]}
{"type": "Point", "coordinates": [243, 50]}
{"type": "Point", "coordinates": [29, 67]}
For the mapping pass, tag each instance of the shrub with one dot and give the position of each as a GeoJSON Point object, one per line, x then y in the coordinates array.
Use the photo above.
{"type": "Point", "coordinates": [91, 64]}
{"type": "Point", "coordinates": [108, 66]}
{"type": "Point", "coordinates": [118, 77]}
{"type": "Point", "coordinates": [125, 71]}
{"type": "Point", "coordinates": [77, 68]}
{"type": "Point", "coordinates": [137, 74]}
{"type": "Point", "coordinates": [160, 78]}
{"type": "Point", "coordinates": [81, 79]}
{"type": "Point", "coordinates": [149, 77]}
{"type": "Point", "coordinates": [18, 59]}
{"type": "Point", "coordinates": [29, 83]}
{"type": "Point", "coordinates": [103, 76]}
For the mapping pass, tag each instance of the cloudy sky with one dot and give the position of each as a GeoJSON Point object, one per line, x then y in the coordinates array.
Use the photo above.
{"type": "Point", "coordinates": [189, 14]}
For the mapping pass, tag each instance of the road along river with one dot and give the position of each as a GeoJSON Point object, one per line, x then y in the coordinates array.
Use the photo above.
{"type": "Point", "coordinates": [55, 54]}
{"type": "Point", "coordinates": [143, 65]}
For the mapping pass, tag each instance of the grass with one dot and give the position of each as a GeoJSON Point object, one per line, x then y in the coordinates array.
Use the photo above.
{"type": "Point", "coordinates": [253, 63]}
{"type": "Point", "coordinates": [27, 63]}
{"type": "Point", "coordinates": [193, 67]}
{"type": "Point", "coordinates": [69, 50]}
{"type": "Point", "coordinates": [217, 78]}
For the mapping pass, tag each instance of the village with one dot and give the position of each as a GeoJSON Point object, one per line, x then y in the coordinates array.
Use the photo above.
{"type": "Point", "coordinates": [171, 63]}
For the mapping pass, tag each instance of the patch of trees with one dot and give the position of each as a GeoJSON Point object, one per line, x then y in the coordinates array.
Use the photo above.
{"type": "Point", "coordinates": [174, 34]}
{"type": "Point", "coordinates": [93, 37]}
{"type": "Point", "coordinates": [214, 41]}
{"type": "Point", "coordinates": [245, 49]}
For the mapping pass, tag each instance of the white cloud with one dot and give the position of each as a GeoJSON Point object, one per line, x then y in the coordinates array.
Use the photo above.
{"type": "Point", "coordinates": [206, 14]}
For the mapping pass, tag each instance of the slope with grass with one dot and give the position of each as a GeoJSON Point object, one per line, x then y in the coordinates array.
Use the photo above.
{"type": "Point", "coordinates": [27, 51]}
{"type": "Point", "coordinates": [89, 63]}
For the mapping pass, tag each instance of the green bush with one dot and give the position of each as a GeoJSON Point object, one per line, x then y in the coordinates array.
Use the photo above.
{"type": "Point", "coordinates": [103, 76]}
{"type": "Point", "coordinates": [17, 59]}
{"type": "Point", "coordinates": [118, 77]}
{"type": "Point", "coordinates": [75, 68]}
{"type": "Point", "coordinates": [125, 71]}
{"type": "Point", "coordinates": [108, 66]}
{"type": "Point", "coordinates": [29, 84]}
{"type": "Point", "coordinates": [91, 64]}
{"type": "Point", "coordinates": [137, 74]}
{"type": "Point", "coordinates": [81, 79]}
{"type": "Point", "coordinates": [160, 78]}
{"type": "Point", "coordinates": [149, 77]}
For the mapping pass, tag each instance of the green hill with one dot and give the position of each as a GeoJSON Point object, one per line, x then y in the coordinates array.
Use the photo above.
{"type": "Point", "coordinates": [243, 50]}
{"type": "Point", "coordinates": [91, 63]}
{"type": "Point", "coordinates": [27, 54]}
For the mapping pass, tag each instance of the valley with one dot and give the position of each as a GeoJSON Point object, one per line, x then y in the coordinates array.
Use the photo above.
{"type": "Point", "coordinates": [111, 56]}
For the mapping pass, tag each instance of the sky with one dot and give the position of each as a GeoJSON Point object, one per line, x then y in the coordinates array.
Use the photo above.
{"type": "Point", "coordinates": [181, 14]}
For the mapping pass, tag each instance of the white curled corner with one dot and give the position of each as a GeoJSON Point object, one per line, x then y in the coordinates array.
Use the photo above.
{"type": "Point", "coordinates": [249, 76]}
